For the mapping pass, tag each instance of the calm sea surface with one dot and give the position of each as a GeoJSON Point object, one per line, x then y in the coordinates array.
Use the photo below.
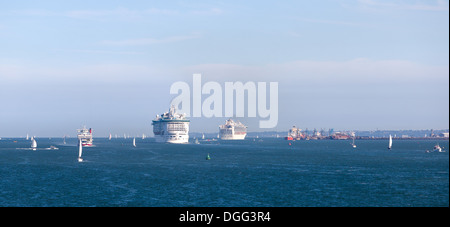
{"type": "Point", "coordinates": [266, 172]}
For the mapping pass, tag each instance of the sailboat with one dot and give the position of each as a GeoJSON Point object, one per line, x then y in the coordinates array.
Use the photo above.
{"type": "Point", "coordinates": [390, 142]}
{"type": "Point", "coordinates": [33, 143]}
{"type": "Point", "coordinates": [27, 137]}
{"type": "Point", "coordinates": [207, 157]}
{"type": "Point", "coordinates": [134, 142]}
{"type": "Point", "coordinates": [109, 136]}
{"type": "Point", "coordinates": [353, 144]}
{"type": "Point", "coordinates": [80, 151]}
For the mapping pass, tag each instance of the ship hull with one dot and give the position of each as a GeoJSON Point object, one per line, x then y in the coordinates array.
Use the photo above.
{"type": "Point", "coordinates": [178, 139]}
{"type": "Point", "coordinates": [232, 137]}
{"type": "Point", "coordinates": [86, 141]}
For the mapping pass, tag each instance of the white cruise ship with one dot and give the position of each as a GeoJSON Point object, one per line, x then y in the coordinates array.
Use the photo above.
{"type": "Point", "coordinates": [232, 130]}
{"type": "Point", "coordinates": [85, 135]}
{"type": "Point", "coordinates": [171, 127]}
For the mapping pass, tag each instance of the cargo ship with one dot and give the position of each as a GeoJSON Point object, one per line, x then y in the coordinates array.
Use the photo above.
{"type": "Point", "coordinates": [85, 135]}
{"type": "Point", "coordinates": [232, 130]}
{"type": "Point", "coordinates": [294, 134]}
{"type": "Point", "coordinates": [339, 136]}
{"type": "Point", "coordinates": [171, 127]}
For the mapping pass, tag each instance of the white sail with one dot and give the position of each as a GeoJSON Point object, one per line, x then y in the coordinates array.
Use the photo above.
{"type": "Point", "coordinates": [80, 151]}
{"type": "Point", "coordinates": [134, 142]}
{"type": "Point", "coordinates": [27, 137]}
{"type": "Point", "coordinates": [109, 136]}
{"type": "Point", "coordinates": [390, 142]}
{"type": "Point", "coordinates": [33, 143]}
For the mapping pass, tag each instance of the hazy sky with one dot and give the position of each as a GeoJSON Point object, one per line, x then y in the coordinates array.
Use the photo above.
{"type": "Point", "coordinates": [342, 64]}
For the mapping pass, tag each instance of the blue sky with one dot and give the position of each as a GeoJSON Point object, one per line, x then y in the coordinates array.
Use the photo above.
{"type": "Point", "coordinates": [354, 64]}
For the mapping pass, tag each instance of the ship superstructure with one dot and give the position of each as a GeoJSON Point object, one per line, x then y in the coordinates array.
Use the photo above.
{"type": "Point", "coordinates": [232, 130]}
{"type": "Point", "coordinates": [85, 135]}
{"type": "Point", "coordinates": [293, 133]}
{"type": "Point", "coordinates": [171, 127]}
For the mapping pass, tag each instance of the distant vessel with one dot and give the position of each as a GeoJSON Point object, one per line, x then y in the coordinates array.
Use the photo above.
{"type": "Point", "coordinates": [437, 148]}
{"type": "Point", "coordinates": [171, 127]}
{"type": "Point", "coordinates": [85, 136]}
{"type": "Point", "coordinates": [207, 157]}
{"type": "Point", "coordinates": [292, 134]}
{"type": "Point", "coordinates": [353, 144]}
{"type": "Point", "coordinates": [134, 142]}
{"type": "Point", "coordinates": [390, 142]}
{"type": "Point", "coordinates": [80, 150]}
{"type": "Point", "coordinates": [33, 143]}
{"type": "Point", "coordinates": [232, 130]}
{"type": "Point", "coordinates": [339, 136]}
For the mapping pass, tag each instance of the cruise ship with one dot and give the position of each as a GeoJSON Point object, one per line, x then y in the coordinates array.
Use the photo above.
{"type": "Point", "coordinates": [232, 130]}
{"type": "Point", "coordinates": [171, 127]}
{"type": "Point", "coordinates": [85, 135]}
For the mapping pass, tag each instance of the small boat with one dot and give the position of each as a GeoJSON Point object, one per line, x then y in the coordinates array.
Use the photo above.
{"type": "Point", "coordinates": [390, 142]}
{"type": "Point", "coordinates": [80, 150]}
{"type": "Point", "coordinates": [207, 157]}
{"type": "Point", "coordinates": [33, 143]}
{"type": "Point", "coordinates": [437, 148]}
{"type": "Point", "coordinates": [196, 141]}
{"type": "Point", "coordinates": [134, 142]}
{"type": "Point", "coordinates": [353, 144]}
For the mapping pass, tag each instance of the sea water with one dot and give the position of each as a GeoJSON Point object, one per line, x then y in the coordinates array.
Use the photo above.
{"type": "Point", "coordinates": [267, 172]}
